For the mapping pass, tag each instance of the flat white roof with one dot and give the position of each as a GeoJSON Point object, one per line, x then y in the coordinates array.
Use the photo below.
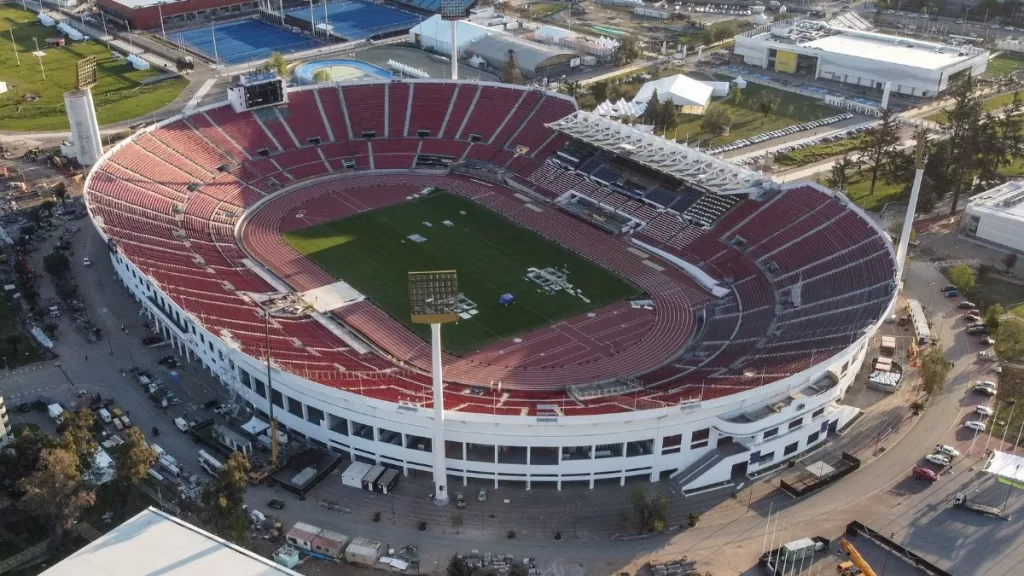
{"type": "Point", "coordinates": [153, 542]}
{"type": "Point", "coordinates": [883, 50]}
{"type": "Point", "coordinates": [145, 3]}
{"type": "Point", "coordinates": [1006, 200]}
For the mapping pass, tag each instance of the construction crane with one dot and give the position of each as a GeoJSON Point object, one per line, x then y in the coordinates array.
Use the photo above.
{"type": "Point", "coordinates": [856, 565]}
{"type": "Point", "coordinates": [259, 476]}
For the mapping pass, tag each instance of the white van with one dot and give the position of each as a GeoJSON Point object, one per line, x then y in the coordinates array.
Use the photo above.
{"type": "Point", "coordinates": [104, 415]}
{"type": "Point", "coordinates": [117, 424]}
{"type": "Point", "coordinates": [181, 424]}
{"type": "Point", "coordinates": [160, 452]}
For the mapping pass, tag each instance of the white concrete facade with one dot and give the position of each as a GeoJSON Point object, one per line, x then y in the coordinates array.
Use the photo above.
{"type": "Point", "coordinates": [867, 59]}
{"type": "Point", "coordinates": [996, 217]}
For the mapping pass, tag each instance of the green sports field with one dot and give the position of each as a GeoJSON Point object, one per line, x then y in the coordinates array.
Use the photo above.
{"type": "Point", "coordinates": [372, 252]}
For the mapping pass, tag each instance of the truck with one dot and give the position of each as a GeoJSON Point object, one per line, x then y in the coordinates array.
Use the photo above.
{"type": "Point", "coordinates": [56, 412]}
{"type": "Point", "coordinates": [961, 501]}
{"type": "Point", "coordinates": [169, 465]}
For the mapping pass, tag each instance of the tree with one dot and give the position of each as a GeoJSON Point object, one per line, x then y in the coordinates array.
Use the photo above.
{"type": "Point", "coordinates": [54, 491]}
{"type": "Point", "coordinates": [648, 513]}
{"type": "Point", "coordinates": [994, 315]}
{"type": "Point", "coordinates": [277, 64]}
{"type": "Point", "coordinates": [510, 74]}
{"type": "Point", "coordinates": [599, 90]}
{"type": "Point", "coordinates": [767, 104]}
{"type": "Point", "coordinates": [934, 370]}
{"type": "Point", "coordinates": [839, 174]}
{"type": "Point", "coordinates": [457, 566]}
{"type": "Point", "coordinates": [78, 438]}
{"type": "Point", "coordinates": [629, 50]}
{"type": "Point", "coordinates": [22, 456]}
{"type": "Point", "coordinates": [518, 570]}
{"type": "Point", "coordinates": [571, 88]}
{"type": "Point", "coordinates": [963, 277]}
{"type": "Point", "coordinates": [962, 125]}
{"type": "Point", "coordinates": [878, 144]}
{"type": "Point", "coordinates": [1010, 339]}
{"type": "Point", "coordinates": [223, 500]}
{"type": "Point", "coordinates": [652, 112]}
{"type": "Point", "coordinates": [131, 465]}
{"type": "Point", "coordinates": [1009, 261]}
{"type": "Point", "coordinates": [322, 75]}
{"type": "Point", "coordinates": [716, 121]}
{"type": "Point", "coordinates": [735, 95]}
{"type": "Point", "coordinates": [693, 518]}
{"type": "Point", "coordinates": [56, 264]}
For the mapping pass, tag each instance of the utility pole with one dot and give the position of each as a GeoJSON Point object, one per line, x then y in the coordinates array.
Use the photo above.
{"type": "Point", "coordinates": [15, 46]}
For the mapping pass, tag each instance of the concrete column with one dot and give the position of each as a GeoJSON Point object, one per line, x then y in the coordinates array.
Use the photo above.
{"type": "Point", "coordinates": [455, 51]}
{"type": "Point", "coordinates": [885, 94]}
{"type": "Point", "coordinates": [440, 468]}
{"type": "Point", "coordinates": [465, 475]}
{"type": "Point", "coordinates": [591, 481]}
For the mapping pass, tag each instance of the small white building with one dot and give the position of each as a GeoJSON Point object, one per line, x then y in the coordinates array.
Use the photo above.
{"type": "Point", "coordinates": [689, 96]}
{"type": "Point", "coordinates": [652, 12]}
{"type": "Point", "coordinates": [996, 217]}
{"type": "Point", "coordinates": [818, 50]}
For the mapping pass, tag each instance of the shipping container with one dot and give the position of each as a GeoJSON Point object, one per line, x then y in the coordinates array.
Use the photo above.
{"type": "Point", "coordinates": [353, 475]}
{"type": "Point", "coordinates": [370, 480]}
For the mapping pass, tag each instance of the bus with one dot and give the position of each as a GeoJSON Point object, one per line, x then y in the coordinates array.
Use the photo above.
{"type": "Point", "coordinates": [209, 463]}
{"type": "Point", "coordinates": [959, 40]}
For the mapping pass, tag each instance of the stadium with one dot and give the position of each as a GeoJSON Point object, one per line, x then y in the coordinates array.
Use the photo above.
{"type": "Point", "coordinates": [631, 307]}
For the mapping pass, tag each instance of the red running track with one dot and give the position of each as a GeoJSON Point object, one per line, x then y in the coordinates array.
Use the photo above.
{"type": "Point", "coordinates": [615, 341]}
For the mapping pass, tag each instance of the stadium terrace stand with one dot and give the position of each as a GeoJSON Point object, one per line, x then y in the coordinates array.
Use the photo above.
{"type": "Point", "coordinates": [800, 273]}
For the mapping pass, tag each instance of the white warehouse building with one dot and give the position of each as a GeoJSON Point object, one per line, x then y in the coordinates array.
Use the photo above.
{"type": "Point", "coordinates": [996, 217]}
{"type": "Point", "coordinates": [862, 58]}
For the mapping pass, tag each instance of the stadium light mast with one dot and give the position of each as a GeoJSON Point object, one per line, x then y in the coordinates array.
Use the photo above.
{"type": "Point", "coordinates": [434, 300]}
{"type": "Point", "coordinates": [908, 219]}
{"type": "Point", "coordinates": [453, 11]}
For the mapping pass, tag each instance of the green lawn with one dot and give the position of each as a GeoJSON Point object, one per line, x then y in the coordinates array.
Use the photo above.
{"type": "Point", "coordinates": [1004, 64]}
{"type": "Point", "coordinates": [988, 105]}
{"type": "Point", "coordinates": [16, 346]}
{"type": "Point", "coordinates": [859, 191]}
{"type": "Point", "coordinates": [818, 152]}
{"type": "Point", "coordinates": [991, 290]}
{"type": "Point", "coordinates": [119, 95]}
{"type": "Point", "coordinates": [372, 252]}
{"type": "Point", "coordinates": [747, 121]}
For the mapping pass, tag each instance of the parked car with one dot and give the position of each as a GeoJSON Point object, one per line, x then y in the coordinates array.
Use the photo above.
{"type": "Point", "coordinates": [937, 459]}
{"type": "Point", "coordinates": [481, 496]}
{"type": "Point", "coordinates": [922, 473]}
{"type": "Point", "coordinates": [276, 504]}
{"type": "Point", "coordinates": [975, 425]}
{"type": "Point", "coordinates": [978, 330]}
{"type": "Point", "coordinates": [86, 262]}
{"type": "Point", "coordinates": [985, 383]}
{"type": "Point", "coordinates": [947, 450]}
{"type": "Point", "coordinates": [965, 305]}
{"type": "Point", "coordinates": [984, 410]}
{"type": "Point", "coordinates": [971, 319]}
{"type": "Point", "coordinates": [460, 500]}
{"type": "Point", "coordinates": [952, 293]}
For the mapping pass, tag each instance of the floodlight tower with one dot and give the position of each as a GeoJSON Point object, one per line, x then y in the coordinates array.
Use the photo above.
{"type": "Point", "coordinates": [908, 219]}
{"type": "Point", "coordinates": [85, 129]}
{"type": "Point", "coordinates": [453, 11]}
{"type": "Point", "coordinates": [434, 300]}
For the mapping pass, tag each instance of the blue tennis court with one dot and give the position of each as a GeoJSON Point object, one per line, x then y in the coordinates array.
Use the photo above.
{"type": "Point", "coordinates": [355, 20]}
{"type": "Point", "coordinates": [244, 41]}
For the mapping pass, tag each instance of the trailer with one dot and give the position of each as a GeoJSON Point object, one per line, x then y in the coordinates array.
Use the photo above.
{"type": "Point", "coordinates": [961, 501]}
{"type": "Point", "coordinates": [387, 481]}
{"type": "Point", "coordinates": [370, 480]}
{"type": "Point", "coordinates": [353, 475]}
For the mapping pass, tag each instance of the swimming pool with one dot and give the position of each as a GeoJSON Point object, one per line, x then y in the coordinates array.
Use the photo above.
{"type": "Point", "coordinates": [341, 70]}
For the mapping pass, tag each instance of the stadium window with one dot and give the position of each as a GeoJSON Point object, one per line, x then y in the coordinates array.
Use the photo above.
{"type": "Point", "coordinates": [699, 438]}
{"type": "Point", "coordinates": [295, 407]}
{"type": "Point", "coordinates": [791, 448]}
{"type": "Point", "coordinates": [276, 398]}
{"type": "Point", "coordinates": [261, 388]}
{"type": "Point", "coordinates": [244, 377]}
{"type": "Point", "coordinates": [813, 438]}
{"type": "Point", "coordinates": [818, 412]}
{"type": "Point", "coordinates": [314, 415]}
{"type": "Point", "coordinates": [672, 441]}
{"type": "Point", "coordinates": [796, 424]}
{"type": "Point", "coordinates": [771, 433]}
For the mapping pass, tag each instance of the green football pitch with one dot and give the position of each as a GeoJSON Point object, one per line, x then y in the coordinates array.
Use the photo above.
{"type": "Point", "coordinates": [373, 253]}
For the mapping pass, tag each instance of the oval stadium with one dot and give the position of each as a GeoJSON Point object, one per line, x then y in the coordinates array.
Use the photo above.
{"type": "Point", "coordinates": [627, 306]}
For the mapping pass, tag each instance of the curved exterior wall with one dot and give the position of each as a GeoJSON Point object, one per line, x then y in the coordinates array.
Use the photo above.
{"type": "Point", "coordinates": [529, 449]}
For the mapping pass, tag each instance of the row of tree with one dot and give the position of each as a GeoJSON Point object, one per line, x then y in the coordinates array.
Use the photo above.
{"type": "Point", "coordinates": [967, 155]}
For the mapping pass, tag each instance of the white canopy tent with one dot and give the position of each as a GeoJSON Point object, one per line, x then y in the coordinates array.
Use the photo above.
{"type": "Point", "coordinates": [1007, 466]}
{"type": "Point", "coordinates": [692, 96]}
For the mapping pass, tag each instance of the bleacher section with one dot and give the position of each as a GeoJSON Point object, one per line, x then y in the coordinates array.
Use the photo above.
{"type": "Point", "coordinates": [806, 273]}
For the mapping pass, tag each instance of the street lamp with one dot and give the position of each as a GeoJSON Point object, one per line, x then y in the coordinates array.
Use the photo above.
{"type": "Point", "coordinates": [434, 300]}
{"type": "Point", "coordinates": [160, 11]}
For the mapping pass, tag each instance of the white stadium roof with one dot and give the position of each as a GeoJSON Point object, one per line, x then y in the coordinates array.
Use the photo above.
{"type": "Point", "coordinates": [1006, 200]}
{"type": "Point", "coordinates": [686, 164]}
{"type": "Point", "coordinates": [883, 48]}
{"type": "Point", "coordinates": [153, 542]}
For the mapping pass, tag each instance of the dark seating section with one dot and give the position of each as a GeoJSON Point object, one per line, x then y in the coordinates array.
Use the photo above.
{"type": "Point", "coordinates": [170, 198]}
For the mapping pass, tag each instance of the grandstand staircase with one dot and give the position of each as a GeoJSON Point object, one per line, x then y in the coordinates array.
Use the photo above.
{"type": "Point", "coordinates": [323, 116]}
{"type": "Point", "coordinates": [507, 118]}
{"type": "Point", "coordinates": [282, 117]}
{"type": "Point", "coordinates": [469, 113]}
{"type": "Point", "coordinates": [408, 112]}
{"type": "Point", "coordinates": [529, 117]}
{"type": "Point", "coordinates": [228, 159]}
{"type": "Point", "coordinates": [257, 114]}
{"type": "Point", "coordinates": [369, 147]}
{"type": "Point", "coordinates": [324, 159]}
{"type": "Point", "coordinates": [282, 170]}
{"type": "Point", "coordinates": [387, 111]}
{"type": "Point", "coordinates": [448, 114]}
{"type": "Point", "coordinates": [344, 112]}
